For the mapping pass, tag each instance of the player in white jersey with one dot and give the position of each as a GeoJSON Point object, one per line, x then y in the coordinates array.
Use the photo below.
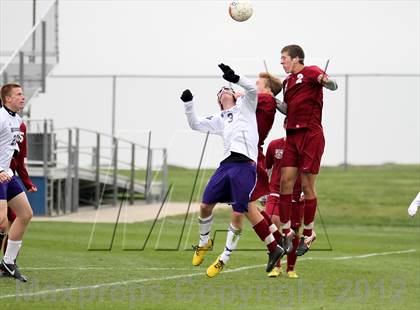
{"type": "Point", "coordinates": [12, 194]}
{"type": "Point", "coordinates": [234, 180]}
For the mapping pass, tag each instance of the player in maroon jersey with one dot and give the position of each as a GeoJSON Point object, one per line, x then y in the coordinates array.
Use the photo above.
{"type": "Point", "coordinates": [274, 157]}
{"type": "Point", "coordinates": [18, 166]}
{"type": "Point", "coordinates": [303, 93]}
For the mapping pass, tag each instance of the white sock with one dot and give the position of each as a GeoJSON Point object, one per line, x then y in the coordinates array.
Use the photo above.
{"type": "Point", "coordinates": [205, 228]}
{"type": "Point", "coordinates": [12, 251]}
{"type": "Point", "coordinates": [232, 240]}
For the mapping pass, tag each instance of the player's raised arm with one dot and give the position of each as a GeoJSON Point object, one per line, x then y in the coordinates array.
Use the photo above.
{"type": "Point", "coordinates": [249, 87]}
{"type": "Point", "coordinates": [327, 82]}
{"type": "Point", "coordinates": [210, 124]}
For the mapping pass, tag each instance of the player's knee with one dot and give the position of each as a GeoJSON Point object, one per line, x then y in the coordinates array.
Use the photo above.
{"type": "Point", "coordinates": [308, 191]}
{"type": "Point", "coordinates": [26, 216]}
{"type": "Point", "coordinates": [4, 223]}
{"type": "Point", "coordinates": [206, 209]}
{"type": "Point", "coordinates": [286, 184]}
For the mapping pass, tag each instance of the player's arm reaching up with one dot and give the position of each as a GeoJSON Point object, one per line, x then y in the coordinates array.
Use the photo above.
{"type": "Point", "coordinates": [250, 96]}
{"type": "Point", "coordinates": [327, 82]}
{"type": "Point", "coordinates": [210, 124]}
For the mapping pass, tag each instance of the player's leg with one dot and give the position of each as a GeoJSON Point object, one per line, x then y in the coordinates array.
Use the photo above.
{"type": "Point", "coordinates": [4, 223]}
{"type": "Point", "coordinates": [11, 217]}
{"type": "Point", "coordinates": [272, 210]}
{"type": "Point", "coordinates": [216, 191]}
{"type": "Point", "coordinates": [310, 164]}
{"type": "Point", "coordinates": [288, 179]}
{"type": "Point", "coordinates": [20, 205]}
{"type": "Point", "coordinates": [232, 239]}
{"type": "Point", "coordinates": [296, 218]}
{"type": "Point", "coordinates": [261, 228]}
{"type": "Point", "coordinates": [205, 220]}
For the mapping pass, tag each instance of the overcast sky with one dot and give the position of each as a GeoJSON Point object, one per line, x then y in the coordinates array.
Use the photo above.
{"type": "Point", "coordinates": [192, 37]}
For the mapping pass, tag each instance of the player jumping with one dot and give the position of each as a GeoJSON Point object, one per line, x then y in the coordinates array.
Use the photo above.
{"type": "Point", "coordinates": [303, 93]}
{"type": "Point", "coordinates": [235, 178]}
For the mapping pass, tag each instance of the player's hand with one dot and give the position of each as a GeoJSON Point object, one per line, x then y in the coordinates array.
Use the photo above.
{"type": "Point", "coordinates": [33, 189]}
{"type": "Point", "coordinates": [228, 74]}
{"type": "Point", "coordinates": [322, 79]}
{"type": "Point", "coordinates": [187, 96]}
{"type": "Point", "coordinates": [4, 177]}
{"type": "Point", "coordinates": [239, 94]}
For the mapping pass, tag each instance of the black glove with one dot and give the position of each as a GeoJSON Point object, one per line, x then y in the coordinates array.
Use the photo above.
{"type": "Point", "coordinates": [186, 95]}
{"type": "Point", "coordinates": [229, 75]}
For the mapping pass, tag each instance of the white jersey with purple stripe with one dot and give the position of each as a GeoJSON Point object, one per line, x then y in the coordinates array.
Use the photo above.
{"type": "Point", "coordinates": [9, 135]}
{"type": "Point", "coordinates": [237, 125]}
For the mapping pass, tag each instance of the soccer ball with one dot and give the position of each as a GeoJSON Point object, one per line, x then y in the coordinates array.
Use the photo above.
{"type": "Point", "coordinates": [240, 10]}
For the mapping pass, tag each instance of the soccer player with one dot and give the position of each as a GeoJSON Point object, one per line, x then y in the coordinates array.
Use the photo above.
{"type": "Point", "coordinates": [234, 180]}
{"type": "Point", "coordinates": [274, 157]}
{"type": "Point", "coordinates": [412, 209]}
{"type": "Point", "coordinates": [303, 93]}
{"type": "Point", "coordinates": [268, 86]}
{"type": "Point", "coordinates": [11, 192]}
{"type": "Point", "coordinates": [18, 166]}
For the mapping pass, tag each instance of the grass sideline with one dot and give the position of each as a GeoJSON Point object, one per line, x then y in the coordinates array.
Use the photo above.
{"type": "Point", "coordinates": [374, 262]}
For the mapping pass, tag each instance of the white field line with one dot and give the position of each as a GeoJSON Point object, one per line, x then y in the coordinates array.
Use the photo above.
{"type": "Point", "coordinates": [189, 275]}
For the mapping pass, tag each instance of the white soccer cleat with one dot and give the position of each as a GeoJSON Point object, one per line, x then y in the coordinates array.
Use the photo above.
{"type": "Point", "coordinates": [412, 209]}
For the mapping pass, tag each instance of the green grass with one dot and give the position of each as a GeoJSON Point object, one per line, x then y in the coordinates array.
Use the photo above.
{"type": "Point", "coordinates": [364, 211]}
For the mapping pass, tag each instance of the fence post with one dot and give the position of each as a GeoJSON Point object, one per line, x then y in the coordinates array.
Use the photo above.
{"type": "Point", "coordinates": [115, 164]}
{"type": "Point", "coordinates": [346, 116]}
{"type": "Point", "coordinates": [68, 192]}
{"type": "Point", "coordinates": [44, 59]}
{"type": "Point", "coordinates": [164, 173]}
{"type": "Point", "coordinates": [97, 171]}
{"type": "Point", "coordinates": [21, 68]}
{"type": "Point", "coordinates": [133, 172]}
{"type": "Point", "coordinates": [45, 168]}
{"type": "Point", "coordinates": [75, 205]}
{"type": "Point", "coordinates": [148, 182]}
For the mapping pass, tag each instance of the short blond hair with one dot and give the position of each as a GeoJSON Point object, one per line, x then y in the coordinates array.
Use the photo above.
{"type": "Point", "coordinates": [272, 82]}
{"type": "Point", "coordinates": [6, 89]}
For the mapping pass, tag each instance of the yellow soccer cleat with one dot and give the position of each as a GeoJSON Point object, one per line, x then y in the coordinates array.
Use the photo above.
{"type": "Point", "coordinates": [277, 271]}
{"type": "Point", "coordinates": [215, 268]}
{"type": "Point", "coordinates": [292, 274]}
{"type": "Point", "coordinates": [200, 251]}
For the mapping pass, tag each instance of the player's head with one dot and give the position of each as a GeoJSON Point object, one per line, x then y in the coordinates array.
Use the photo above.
{"type": "Point", "coordinates": [292, 58]}
{"type": "Point", "coordinates": [12, 96]}
{"type": "Point", "coordinates": [268, 84]}
{"type": "Point", "coordinates": [226, 98]}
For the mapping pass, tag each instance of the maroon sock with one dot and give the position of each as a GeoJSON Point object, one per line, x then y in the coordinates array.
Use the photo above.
{"type": "Point", "coordinates": [262, 230]}
{"type": "Point", "coordinates": [273, 228]}
{"type": "Point", "coordinates": [285, 205]}
{"type": "Point", "coordinates": [291, 258]}
{"type": "Point", "coordinates": [309, 215]}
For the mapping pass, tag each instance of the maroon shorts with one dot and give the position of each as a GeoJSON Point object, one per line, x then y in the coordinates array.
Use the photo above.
{"type": "Point", "coordinates": [272, 207]}
{"type": "Point", "coordinates": [262, 186]}
{"type": "Point", "coordinates": [304, 149]}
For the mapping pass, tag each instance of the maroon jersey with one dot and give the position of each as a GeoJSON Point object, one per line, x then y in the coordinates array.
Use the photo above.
{"type": "Point", "coordinates": [304, 98]}
{"type": "Point", "coordinates": [273, 159]}
{"type": "Point", "coordinates": [18, 162]}
{"type": "Point", "coordinates": [266, 111]}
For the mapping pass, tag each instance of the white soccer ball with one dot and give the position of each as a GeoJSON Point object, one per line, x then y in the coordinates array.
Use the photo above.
{"type": "Point", "coordinates": [240, 10]}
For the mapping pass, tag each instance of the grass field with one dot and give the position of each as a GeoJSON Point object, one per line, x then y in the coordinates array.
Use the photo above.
{"type": "Point", "coordinates": [371, 262]}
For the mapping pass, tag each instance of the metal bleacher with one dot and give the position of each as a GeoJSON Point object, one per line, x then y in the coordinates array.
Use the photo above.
{"type": "Point", "coordinates": [74, 167]}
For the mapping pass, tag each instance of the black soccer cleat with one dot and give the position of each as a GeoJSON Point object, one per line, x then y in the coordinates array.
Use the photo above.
{"type": "Point", "coordinates": [287, 241]}
{"type": "Point", "coordinates": [305, 243]}
{"type": "Point", "coordinates": [273, 258]}
{"type": "Point", "coordinates": [12, 270]}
